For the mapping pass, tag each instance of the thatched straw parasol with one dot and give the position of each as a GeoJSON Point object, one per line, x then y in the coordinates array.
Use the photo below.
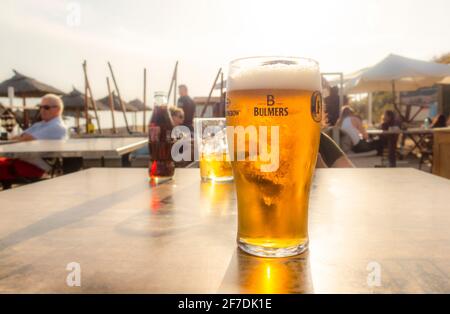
{"type": "Point", "coordinates": [131, 108]}
{"type": "Point", "coordinates": [116, 102]}
{"type": "Point", "coordinates": [74, 105]}
{"type": "Point", "coordinates": [25, 87]}
{"type": "Point", "coordinates": [74, 101]}
{"type": "Point", "coordinates": [138, 104]}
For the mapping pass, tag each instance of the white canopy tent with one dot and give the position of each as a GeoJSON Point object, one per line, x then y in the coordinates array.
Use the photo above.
{"type": "Point", "coordinates": [395, 73]}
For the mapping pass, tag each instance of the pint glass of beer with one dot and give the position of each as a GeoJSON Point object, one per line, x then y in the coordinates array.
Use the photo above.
{"type": "Point", "coordinates": [274, 108]}
{"type": "Point", "coordinates": [211, 142]}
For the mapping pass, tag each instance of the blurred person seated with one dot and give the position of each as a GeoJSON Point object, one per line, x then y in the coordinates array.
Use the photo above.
{"type": "Point", "coordinates": [51, 127]}
{"type": "Point", "coordinates": [353, 127]}
{"type": "Point", "coordinates": [90, 126]}
{"type": "Point", "coordinates": [389, 121]}
{"type": "Point", "coordinates": [439, 122]}
{"type": "Point", "coordinates": [177, 115]}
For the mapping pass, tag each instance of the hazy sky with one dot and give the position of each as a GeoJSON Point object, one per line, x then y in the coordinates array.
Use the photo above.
{"type": "Point", "coordinates": [48, 39]}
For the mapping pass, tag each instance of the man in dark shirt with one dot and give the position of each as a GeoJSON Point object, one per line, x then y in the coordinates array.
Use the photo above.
{"type": "Point", "coordinates": [332, 106]}
{"type": "Point", "coordinates": [187, 104]}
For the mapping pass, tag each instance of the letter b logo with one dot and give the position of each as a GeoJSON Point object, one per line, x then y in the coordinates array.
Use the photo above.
{"type": "Point", "coordinates": [270, 100]}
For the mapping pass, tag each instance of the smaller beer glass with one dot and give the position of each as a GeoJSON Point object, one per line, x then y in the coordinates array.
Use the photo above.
{"type": "Point", "coordinates": [211, 142]}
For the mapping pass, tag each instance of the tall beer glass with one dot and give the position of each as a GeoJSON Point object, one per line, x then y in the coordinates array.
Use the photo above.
{"type": "Point", "coordinates": [284, 94]}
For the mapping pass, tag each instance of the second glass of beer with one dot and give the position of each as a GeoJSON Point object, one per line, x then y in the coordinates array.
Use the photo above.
{"type": "Point", "coordinates": [275, 105]}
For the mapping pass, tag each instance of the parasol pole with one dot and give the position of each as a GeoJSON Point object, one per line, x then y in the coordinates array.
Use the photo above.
{"type": "Point", "coordinates": [11, 97]}
{"type": "Point", "coordinates": [86, 104]}
{"type": "Point", "coordinates": [111, 105]}
{"type": "Point", "coordinates": [369, 108]}
{"type": "Point", "coordinates": [25, 113]}
{"type": "Point", "coordinates": [172, 81]}
{"type": "Point", "coordinates": [78, 120]}
{"type": "Point", "coordinates": [210, 93]}
{"type": "Point", "coordinates": [221, 83]}
{"type": "Point", "coordinates": [394, 95]}
{"type": "Point", "coordinates": [175, 86]}
{"type": "Point", "coordinates": [91, 97]}
{"type": "Point", "coordinates": [145, 101]}
{"type": "Point", "coordinates": [122, 106]}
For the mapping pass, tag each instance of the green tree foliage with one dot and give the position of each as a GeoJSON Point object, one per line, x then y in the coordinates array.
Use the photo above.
{"type": "Point", "coordinates": [381, 101]}
{"type": "Point", "coordinates": [444, 58]}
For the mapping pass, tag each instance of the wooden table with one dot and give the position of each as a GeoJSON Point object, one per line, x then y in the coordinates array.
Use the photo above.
{"type": "Point", "coordinates": [4, 142]}
{"type": "Point", "coordinates": [179, 236]}
{"type": "Point", "coordinates": [419, 136]}
{"type": "Point", "coordinates": [411, 131]}
{"type": "Point", "coordinates": [441, 152]}
{"type": "Point", "coordinates": [86, 148]}
{"type": "Point", "coordinates": [75, 150]}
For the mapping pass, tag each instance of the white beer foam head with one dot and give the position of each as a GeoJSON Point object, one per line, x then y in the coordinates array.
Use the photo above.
{"type": "Point", "coordinates": [272, 73]}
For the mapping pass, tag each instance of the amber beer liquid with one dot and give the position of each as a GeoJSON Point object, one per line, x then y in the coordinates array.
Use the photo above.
{"type": "Point", "coordinates": [215, 166]}
{"type": "Point", "coordinates": [211, 138]}
{"type": "Point", "coordinates": [273, 206]}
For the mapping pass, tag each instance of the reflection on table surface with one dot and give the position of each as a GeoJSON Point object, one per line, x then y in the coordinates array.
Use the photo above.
{"type": "Point", "coordinates": [250, 274]}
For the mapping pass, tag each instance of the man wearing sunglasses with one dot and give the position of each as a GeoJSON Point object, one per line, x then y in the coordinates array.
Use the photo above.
{"type": "Point", "coordinates": [50, 128]}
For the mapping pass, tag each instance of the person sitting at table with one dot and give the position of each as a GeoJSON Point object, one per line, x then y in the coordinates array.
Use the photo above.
{"type": "Point", "coordinates": [389, 120]}
{"type": "Point", "coordinates": [51, 127]}
{"type": "Point", "coordinates": [352, 125]}
{"type": "Point", "coordinates": [439, 121]}
{"type": "Point", "coordinates": [177, 115]}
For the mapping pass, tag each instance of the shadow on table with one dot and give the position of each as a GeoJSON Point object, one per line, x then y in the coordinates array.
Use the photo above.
{"type": "Point", "coordinates": [250, 274]}
{"type": "Point", "coordinates": [69, 216]}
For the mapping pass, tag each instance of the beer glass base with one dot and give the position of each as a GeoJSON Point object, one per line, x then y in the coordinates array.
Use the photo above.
{"type": "Point", "coordinates": [262, 251]}
{"type": "Point", "coordinates": [217, 179]}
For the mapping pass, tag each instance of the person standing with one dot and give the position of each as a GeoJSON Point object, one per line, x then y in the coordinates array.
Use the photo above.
{"type": "Point", "coordinates": [186, 103]}
{"type": "Point", "coordinates": [332, 106]}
